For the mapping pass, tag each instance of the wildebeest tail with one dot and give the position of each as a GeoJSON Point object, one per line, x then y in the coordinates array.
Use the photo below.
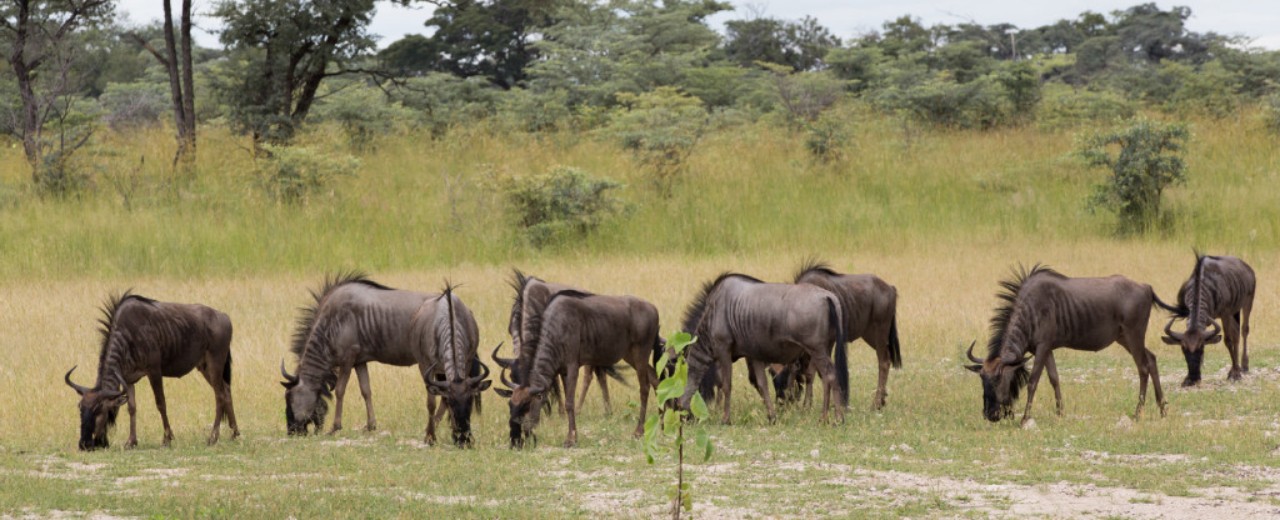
{"type": "Point", "coordinates": [895, 349]}
{"type": "Point", "coordinates": [842, 351]}
{"type": "Point", "coordinates": [611, 372]}
{"type": "Point", "coordinates": [1155, 299]}
{"type": "Point", "coordinates": [226, 369]}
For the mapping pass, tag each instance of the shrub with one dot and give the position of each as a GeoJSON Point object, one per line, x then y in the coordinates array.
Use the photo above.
{"type": "Point", "coordinates": [564, 202]}
{"type": "Point", "coordinates": [826, 138]}
{"type": "Point", "coordinates": [1144, 160]}
{"type": "Point", "coordinates": [129, 106]}
{"type": "Point", "coordinates": [660, 128]}
{"type": "Point", "coordinates": [1271, 113]}
{"type": "Point", "coordinates": [292, 174]}
{"type": "Point", "coordinates": [1065, 107]}
{"type": "Point", "coordinates": [363, 112]}
{"type": "Point", "coordinates": [938, 100]}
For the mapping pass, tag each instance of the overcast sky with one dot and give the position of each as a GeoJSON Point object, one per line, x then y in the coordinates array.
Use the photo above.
{"type": "Point", "coordinates": [1257, 19]}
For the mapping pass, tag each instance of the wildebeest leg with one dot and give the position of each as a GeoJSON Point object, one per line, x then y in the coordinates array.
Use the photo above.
{"type": "Point", "coordinates": [586, 384]}
{"type": "Point", "coordinates": [645, 377]}
{"type": "Point", "coordinates": [368, 393]}
{"type": "Point", "coordinates": [157, 387]}
{"type": "Point", "coordinates": [1052, 367]}
{"type": "Point", "coordinates": [561, 382]}
{"type": "Point", "coordinates": [882, 356]}
{"type": "Point", "coordinates": [1154, 369]}
{"type": "Point", "coordinates": [1231, 337]}
{"type": "Point", "coordinates": [810, 375]}
{"type": "Point", "coordinates": [1042, 354]}
{"type": "Point", "coordinates": [827, 370]}
{"type": "Point", "coordinates": [1140, 358]}
{"type": "Point", "coordinates": [133, 418]}
{"type": "Point", "coordinates": [339, 395]}
{"type": "Point", "coordinates": [430, 438]}
{"type": "Point", "coordinates": [759, 369]}
{"type": "Point", "coordinates": [726, 384]}
{"type": "Point", "coordinates": [570, 386]}
{"type": "Point", "coordinates": [212, 376]}
{"type": "Point", "coordinates": [604, 392]}
{"type": "Point", "coordinates": [1244, 332]}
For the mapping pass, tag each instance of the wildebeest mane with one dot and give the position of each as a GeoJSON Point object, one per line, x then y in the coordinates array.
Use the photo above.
{"type": "Point", "coordinates": [693, 313]}
{"type": "Point", "coordinates": [1194, 285]}
{"type": "Point", "coordinates": [518, 282]}
{"type": "Point", "coordinates": [813, 264]}
{"type": "Point", "coordinates": [307, 317]}
{"type": "Point", "coordinates": [1004, 317]}
{"type": "Point", "coordinates": [106, 324]}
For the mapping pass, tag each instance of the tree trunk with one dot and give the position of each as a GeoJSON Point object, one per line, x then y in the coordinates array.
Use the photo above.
{"type": "Point", "coordinates": [26, 89]}
{"type": "Point", "coordinates": [188, 87]}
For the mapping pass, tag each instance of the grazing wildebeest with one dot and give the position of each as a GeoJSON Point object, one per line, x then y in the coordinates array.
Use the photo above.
{"type": "Point", "coordinates": [1044, 310]}
{"type": "Point", "coordinates": [1220, 287]}
{"type": "Point", "coordinates": [532, 295]}
{"type": "Point", "coordinates": [354, 321]}
{"type": "Point", "coordinates": [144, 337]}
{"type": "Point", "coordinates": [739, 316]}
{"type": "Point", "coordinates": [870, 312]}
{"type": "Point", "coordinates": [581, 329]}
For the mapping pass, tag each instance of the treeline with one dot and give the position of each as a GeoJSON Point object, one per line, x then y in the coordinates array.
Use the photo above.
{"type": "Point", "coordinates": [652, 75]}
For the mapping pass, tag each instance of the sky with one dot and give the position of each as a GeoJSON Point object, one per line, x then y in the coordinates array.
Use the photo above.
{"type": "Point", "coordinates": [1256, 19]}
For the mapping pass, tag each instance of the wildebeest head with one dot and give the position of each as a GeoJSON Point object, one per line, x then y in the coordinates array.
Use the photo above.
{"type": "Point", "coordinates": [98, 409]}
{"type": "Point", "coordinates": [304, 403]}
{"type": "Point", "coordinates": [1002, 379]}
{"type": "Point", "coordinates": [459, 395]}
{"type": "Point", "coordinates": [1192, 342]}
{"type": "Point", "coordinates": [526, 410]}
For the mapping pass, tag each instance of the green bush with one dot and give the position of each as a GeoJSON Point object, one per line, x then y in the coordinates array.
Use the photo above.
{"type": "Point", "coordinates": [826, 138]}
{"type": "Point", "coordinates": [363, 112]}
{"type": "Point", "coordinates": [562, 203]}
{"type": "Point", "coordinates": [293, 174]}
{"type": "Point", "coordinates": [128, 106]}
{"type": "Point", "coordinates": [660, 128]}
{"type": "Point", "coordinates": [939, 100]}
{"type": "Point", "coordinates": [1066, 107]}
{"type": "Point", "coordinates": [1144, 159]}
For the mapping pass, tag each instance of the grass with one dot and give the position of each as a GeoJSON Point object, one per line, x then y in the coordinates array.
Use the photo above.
{"type": "Point", "coordinates": [943, 221]}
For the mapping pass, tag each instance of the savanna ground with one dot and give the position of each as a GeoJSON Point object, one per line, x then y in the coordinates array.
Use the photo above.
{"type": "Point", "coordinates": [942, 219]}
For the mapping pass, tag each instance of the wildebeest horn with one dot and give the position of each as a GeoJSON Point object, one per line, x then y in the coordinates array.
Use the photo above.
{"type": "Point", "coordinates": [293, 380]}
{"type": "Point", "coordinates": [1216, 329]}
{"type": "Point", "coordinates": [431, 382]}
{"type": "Point", "coordinates": [503, 376]}
{"type": "Point", "coordinates": [480, 377]}
{"type": "Point", "coordinates": [1168, 329]}
{"type": "Point", "coordinates": [972, 357]}
{"type": "Point", "coordinates": [502, 362]}
{"type": "Point", "coordinates": [79, 389]}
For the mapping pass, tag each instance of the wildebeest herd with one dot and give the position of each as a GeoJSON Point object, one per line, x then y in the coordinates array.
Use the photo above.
{"type": "Point", "coordinates": [791, 335]}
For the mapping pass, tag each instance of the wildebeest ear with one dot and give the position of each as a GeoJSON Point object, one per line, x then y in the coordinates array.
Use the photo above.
{"type": "Point", "coordinates": [503, 392]}
{"type": "Point", "coordinates": [484, 385]}
{"type": "Point", "coordinates": [1170, 340]}
{"type": "Point", "coordinates": [974, 368]}
{"type": "Point", "coordinates": [1213, 339]}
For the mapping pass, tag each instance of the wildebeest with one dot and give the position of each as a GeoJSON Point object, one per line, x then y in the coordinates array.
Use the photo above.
{"type": "Point", "coordinates": [355, 320]}
{"type": "Point", "coordinates": [1043, 310]}
{"type": "Point", "coordinates": [532, 295]}
{"type": "Point", "coordinates": [739, 316]}
{"type": "Point", "coordinates": [144, 337]}
{"type": "Point", "coordinates": [581, 329]}
{"type": "Point", "coordinates": [1220, 287]}
{"type": "Point", "coordinates": [870, 312]}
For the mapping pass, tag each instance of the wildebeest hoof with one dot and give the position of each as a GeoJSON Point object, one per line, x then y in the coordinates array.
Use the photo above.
{"type": "Point", "coordinates": [1234, 375]}
{"type": "Point", "coordinates": [335, 430]}
{"type": "Point", "coordinates": [132, 443]}
{"type": "Point", "coordinates": [570, 444]}
{"type": "Point", "coordinates": [1188, 382]}
{"type": "Point", "coordinates": [370, 427]}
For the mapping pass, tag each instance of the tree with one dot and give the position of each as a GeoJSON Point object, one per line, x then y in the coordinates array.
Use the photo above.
{"type": "Point", "coordinates": [490, 38]}
{"type": "Point", "coordinates": [800, 45]}
{"type": "Point", "coordinates": [1146, 160]}
{"type": "Point", "coordinates": [281, 52]}
{"type": "Point", "coordinates": [182, 89]}
{"type": "Point", "coordinates": [597, 50]}
{"type": "Point", "coordinates": [38, 36]}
